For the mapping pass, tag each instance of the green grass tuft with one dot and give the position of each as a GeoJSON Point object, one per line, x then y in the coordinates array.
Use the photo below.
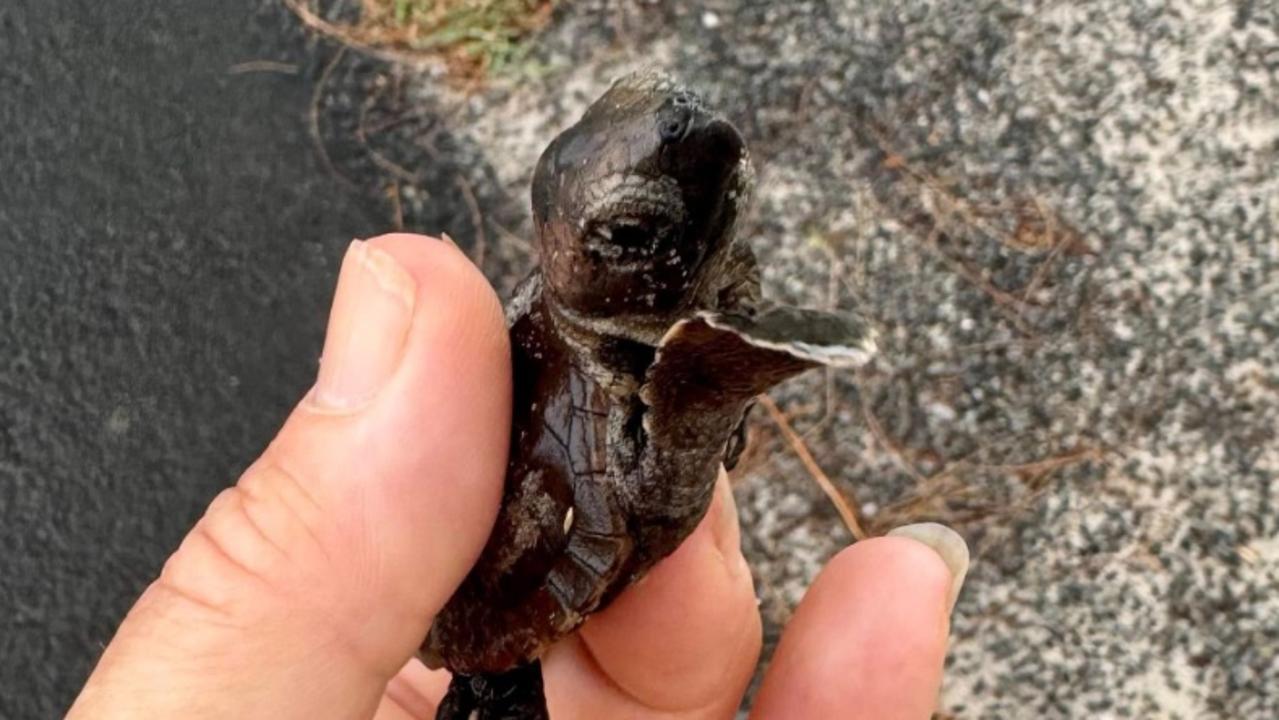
{"type": "Point", "coordinates": [485, 37]}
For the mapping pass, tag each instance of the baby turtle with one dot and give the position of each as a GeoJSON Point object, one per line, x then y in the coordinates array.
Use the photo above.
{"type": "Point", "coordinates": [637, 348]}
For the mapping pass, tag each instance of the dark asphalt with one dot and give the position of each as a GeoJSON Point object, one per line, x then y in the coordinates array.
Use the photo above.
{"type": "Point", "coordinates": [168, 243]}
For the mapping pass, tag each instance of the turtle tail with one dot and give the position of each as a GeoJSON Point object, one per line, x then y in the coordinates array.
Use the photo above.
{"type": "Point", "coordinates": [512, 695]}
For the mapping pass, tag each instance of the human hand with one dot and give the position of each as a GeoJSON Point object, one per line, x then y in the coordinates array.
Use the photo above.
{"type": "Point", "coordinates": [305, 590]}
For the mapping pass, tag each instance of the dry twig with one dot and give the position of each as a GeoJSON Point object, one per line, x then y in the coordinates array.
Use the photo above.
{"type": "Point", "coordinates": [397, 207]}
{"type": "Point", "coordinates": [937, 493]}
{"type": "Point", "coordinates": [477, 219]}
{"type": "Point", "coordinates": [892, 448]}
{"type": "Point", "coordinates": [510, 239]}
{"type": "Point", "coordinates": [846, 511]}
{"type": "Point", "coordinates": [362, 134]}
{"type": "Point", "coordinates": [316, 98]}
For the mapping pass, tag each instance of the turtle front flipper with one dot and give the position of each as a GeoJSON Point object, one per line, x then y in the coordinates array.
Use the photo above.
{"type": "Point", "coordinates": [718, 359]}
{"type": "Point", "coordinates": [706, 372]}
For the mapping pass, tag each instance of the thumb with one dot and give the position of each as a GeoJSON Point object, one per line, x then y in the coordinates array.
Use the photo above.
{"type": "Point", "coordinates": [308, 584]}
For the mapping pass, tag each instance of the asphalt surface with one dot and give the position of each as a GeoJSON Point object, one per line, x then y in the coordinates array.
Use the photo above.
{"type": "Point", "coordinates": [168, 243]}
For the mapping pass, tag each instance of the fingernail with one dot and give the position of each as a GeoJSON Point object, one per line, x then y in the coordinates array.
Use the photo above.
{"type": "Point", "coordinates": [948, 544]}
{"type": "Point", "coordinates": [369, 322]}
{"type": "Point", "coordinates": [445, 237]}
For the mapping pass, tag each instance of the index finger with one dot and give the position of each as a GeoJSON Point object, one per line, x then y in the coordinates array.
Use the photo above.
{"type": "Point", "coordinates": [868, 640]}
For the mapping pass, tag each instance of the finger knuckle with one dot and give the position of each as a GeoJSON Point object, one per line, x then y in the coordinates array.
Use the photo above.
{"type": "Point", "coordinates": [261, 536]}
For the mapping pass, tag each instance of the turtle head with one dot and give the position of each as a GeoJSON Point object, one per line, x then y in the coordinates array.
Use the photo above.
{"type": "Point", "coordinates": [632, 203]}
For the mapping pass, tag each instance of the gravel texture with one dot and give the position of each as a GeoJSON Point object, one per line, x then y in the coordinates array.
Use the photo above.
{"type": "Point", "coordinates": [1061, 215]}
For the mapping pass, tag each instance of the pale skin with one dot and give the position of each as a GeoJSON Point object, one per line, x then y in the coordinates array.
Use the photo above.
{"type": "Point", "coordinates": [305, 590]}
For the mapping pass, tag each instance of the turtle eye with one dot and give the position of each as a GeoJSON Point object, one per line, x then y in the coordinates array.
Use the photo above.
{"type": "Point", "coordinates": [631, 235]}
{"type": "Point", "coordinates": [629, 238]}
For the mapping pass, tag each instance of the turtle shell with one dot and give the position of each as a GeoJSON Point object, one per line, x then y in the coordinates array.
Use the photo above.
{"type": "Point", "coordinates": [505, 612]}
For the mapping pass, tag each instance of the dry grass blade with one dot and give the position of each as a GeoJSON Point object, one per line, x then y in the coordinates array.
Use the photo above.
{"type": "Point", "coordinates": [263, 66]}
{"type": "Point", "coordinates": [317, 97]}
{"type": "Point", "coordinates": [1032, 472]}
{"type": "Point", "coordinates": [798, 445]}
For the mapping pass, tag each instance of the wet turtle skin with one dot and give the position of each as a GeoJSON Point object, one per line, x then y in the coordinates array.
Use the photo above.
{"type": "Point", "coordinates": [637, 346]}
